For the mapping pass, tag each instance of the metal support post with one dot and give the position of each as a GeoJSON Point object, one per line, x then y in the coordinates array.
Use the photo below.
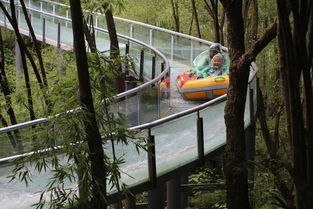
{"type": "Point", "coordinates": [183, 193]}
{"type": "Point", "coordinates": [41, 6]}
{"type": "Point", "coordinates": [162, 67]}
{"type": "Point", "coordinates": [138, 109]}
{"type": "Point", "coordinates": [191, 51]}
{"type": "Point", "coordinates": [153, 67]}
{"type": "Point", "coordinates": [151, 33]}
{"type": "Point", "coordinates": [97, 22]}
{"type": "Point", "coordinates": [173, 193]}
{"type": "Point", "coordinates": [67, 17]}
{"type": "Point", "coordinates": [156, 198]}
{"type": "Point", "coordinates": [172, 47]}
{"type": "Point", "coordinates": [127, 48]}
{"type": "Point", "coordinates": [141, 67]}
{"type": "Point", "coordinates": [131, 31]}
{"type": "Point", "coordinates": [59, 36]}
{"type": "Point", "coordinates": [200, 139]}
{"type": "Point", "coordinates": [151, 160]}
{"type": "Point", "coordinates": [159, 101]}
{"type": "Point", "coordinates": [53, 12]}
{"type": "Point", "coordinates": [44, 30]}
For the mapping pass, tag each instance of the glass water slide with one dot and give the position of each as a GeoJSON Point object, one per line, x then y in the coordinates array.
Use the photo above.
{"type": "Point", "coordinates": [171, 122]}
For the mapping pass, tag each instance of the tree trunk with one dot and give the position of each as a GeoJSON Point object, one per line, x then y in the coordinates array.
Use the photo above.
{"type": "Point", "coordinates": [235, 168]}
{"type": "Point", "coordinates": [191, 23]}
{"type": "Point", "coordinates": [114, 47]}
{"type": "Point", "coordinates": [235, 163]}
{"type": "Point", "coordinates": [213, 12]}
{"type": "Point", "coordinates": [38, 53]}
{"type": "Point", "coordinates": [96, 154]}
{"type": "Point", "coordinates": [13, 22]}
{"type": "Point", "coordinates": [90, 34]}
{"type": "Point", "coordinates": [255, 21]}
{"type": "Point", "coordinates": [215, 19]}
{"type": "Point", "coordinates": [222, 23]}
{"type": "Point", "coordinates": [194, 10]}
{"type": "Point", "coordinates": [5, 88]}
{"type": "Point", "coordinates": [296, 61]}
{"type": "Point", "coordinates": [175, 12]}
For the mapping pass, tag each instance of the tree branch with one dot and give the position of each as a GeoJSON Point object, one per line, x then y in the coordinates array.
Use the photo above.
{"type": "Point", "coordinates": [259, 45]}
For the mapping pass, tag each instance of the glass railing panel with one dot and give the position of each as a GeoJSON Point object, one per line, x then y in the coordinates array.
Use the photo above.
{"type": "Point", "coordinates": [129, 106]}
{"type": "Point", "coordinates": [147, 69]}
{"type": "Point", "coordinates": [175, 143]}
{"type": "Point", "coordinates": [21, 20]}
{"type": "Point", "coordinates": [197, 48]}
{"type": "Point", "coordinates": [51, 29]}
{"type": "Point", "coordinates": [47, 7]}
{"type": "Point", "coordinates": [165, 91]}
{"type": "Point", "coordinates": [27, 139]}
{"type": "Point", "coordinates": [2, 16]}
{"type": "Point", "coordinates": [247, 109]}
{"type": "Point", "coordinates": [134, 52]}
{"type": "Point", "coordinates": [141, 33]}
{"type": "Point", "coordinates": [158, 68]}
{"type": "Point", "coordinates": [100, 21]}
{"type": "Point", "coordinates": [213, 127]}
{"type": "Point", "coordinates": [37, 22]}
{"type": "Point", "coordinates": [60, 11]}
{"type": "Point", "coordinates": [135, 169]}
{"type": "Point", "coordinates": [66, 33]}
{"type": "Point", "coordinates": [34, 4]}
{"type": "Point", "coordinates": [162, 41]}
{"type": "Point", "coordinates": [149, 104]}
{"type": "Point", "coordinates": [122, 27]}
{"type": "Point", "coordinates": [182, 50]}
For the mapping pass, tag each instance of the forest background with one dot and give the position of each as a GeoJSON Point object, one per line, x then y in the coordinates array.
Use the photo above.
{"type": "Point", "coordinates": [197, 18]}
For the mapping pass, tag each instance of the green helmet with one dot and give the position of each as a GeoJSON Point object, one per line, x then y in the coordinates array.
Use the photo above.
{"type": "Point", "coordinates": [216, 47]}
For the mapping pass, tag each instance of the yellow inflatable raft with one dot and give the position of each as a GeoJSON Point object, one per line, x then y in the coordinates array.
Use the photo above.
{"type": "Point", "coordinates": [201, 89]}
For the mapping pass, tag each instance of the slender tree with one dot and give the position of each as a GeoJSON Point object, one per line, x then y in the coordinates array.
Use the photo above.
{"type": "Point", "coordinates": [213, 12]}
{"type": "Point", "coordinates": [89, 32]}
{"type": "Point", "coordinates": [235, 162]}
{"type": "Point", "coordinates": [13, 21]}
{"type": "Point", "coordinates": [96, 154]}
{"type": "Point", "coordinates": [5, 88]}
{"type": "Point", "coordinates": [194, 11]}
{"type": "Point", "coordinates": [296, 52]}
{"type": "Point", "coordinates": [175, 13]}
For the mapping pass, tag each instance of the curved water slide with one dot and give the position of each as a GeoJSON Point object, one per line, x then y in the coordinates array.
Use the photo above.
{"type": "Point", "coordinates": [184, 133]}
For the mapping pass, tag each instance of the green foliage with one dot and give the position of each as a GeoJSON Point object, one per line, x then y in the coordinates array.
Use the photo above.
{"type": "Point", "coordinates": [205, 196]}
{"type": "Point", "coordinates": [66, 151]}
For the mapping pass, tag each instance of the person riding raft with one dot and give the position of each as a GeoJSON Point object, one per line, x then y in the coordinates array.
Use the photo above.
{"type": "Point", "coordinates": [212, 65]}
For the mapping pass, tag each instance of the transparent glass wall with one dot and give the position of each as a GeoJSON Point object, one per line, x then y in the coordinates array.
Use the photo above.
{"type": "Point", "coordinates": [175, 143]}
